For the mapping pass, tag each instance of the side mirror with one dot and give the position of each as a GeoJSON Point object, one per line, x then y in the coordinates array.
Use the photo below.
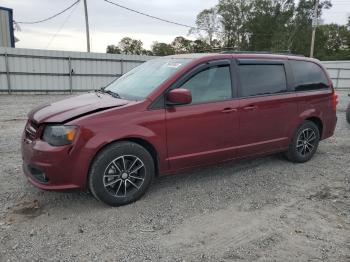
{"type": "Point", "coordinates": [179, 96]}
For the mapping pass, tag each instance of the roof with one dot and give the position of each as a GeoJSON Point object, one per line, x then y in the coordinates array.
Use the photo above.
{"type": "Point", "coordinates": [241, 55]}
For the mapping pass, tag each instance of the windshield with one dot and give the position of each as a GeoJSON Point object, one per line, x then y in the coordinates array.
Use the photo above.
{"type": "Point", "coordinates": [145, 78]}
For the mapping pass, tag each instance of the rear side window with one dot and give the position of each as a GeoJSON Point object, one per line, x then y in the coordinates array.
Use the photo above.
{"type": "Point", "coordinates": [308, 76]}
{"type": "Point", "coordinates": [262, 79]}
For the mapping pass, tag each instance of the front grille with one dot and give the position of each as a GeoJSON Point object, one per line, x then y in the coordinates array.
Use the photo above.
{"type": "Point", "coordinates": [31, 130]}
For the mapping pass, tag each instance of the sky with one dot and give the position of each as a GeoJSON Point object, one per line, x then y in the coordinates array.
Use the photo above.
{"type": "Point", "coordinates": [109, 24]}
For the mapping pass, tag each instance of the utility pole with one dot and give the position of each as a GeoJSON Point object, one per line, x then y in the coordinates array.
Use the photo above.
{"type": "Point", "coordinates": [87, 27]}
{"type": "Point", "coordinates": [314, 26]}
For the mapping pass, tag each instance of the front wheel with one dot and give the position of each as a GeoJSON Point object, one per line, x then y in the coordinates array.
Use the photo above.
{"type": "Point", "coordinates": [121, 173]}
{"type": "Point", "coordinates": [304, 143]}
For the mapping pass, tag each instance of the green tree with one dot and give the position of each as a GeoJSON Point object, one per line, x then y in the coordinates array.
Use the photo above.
{"type": "Point", "coordinates": [300, 39]}
{"type": "Point", "coordinates": [182, 45]}
{"type": "Point", "coordinates": [200, 46]}
{"type": "Point", "coordinates": [257, 25]}
{"type": "Point", "coordinates": [147, 52]}
{"type": "Point", "coordinates": [215, 45]}
{"type": "Point", "coordinates": [265, 25]}
{"type": "Point", "coordinates": [207, 25]}
{"type": "Point", "coordinates": [268, 24]}
{"type": "Point", "coordinates": [130, 46]}
{"type": "Point", "coordinates": [162, 49]}
{"type": "Point", "coordinates": [234, 15]}
{"type": "Point", "coordinates": [112, 49]}
{"type": "Point", "coordinates": [332, 42]}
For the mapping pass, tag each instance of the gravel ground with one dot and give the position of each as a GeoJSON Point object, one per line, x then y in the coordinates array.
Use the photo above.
{"type": "Point", "coordinates": [266, 209]}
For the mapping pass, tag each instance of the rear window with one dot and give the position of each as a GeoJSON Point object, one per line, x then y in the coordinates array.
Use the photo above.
{"type": "Point", "coordinates": [262, 79]}
{"type": "Point", "coordinates": [308, 76]}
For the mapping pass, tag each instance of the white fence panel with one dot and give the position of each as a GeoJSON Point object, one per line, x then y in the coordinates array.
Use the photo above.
{"type": "Point", "coordinates": [339, 71]}
{"type": "Point", "coordinates": [30, 70]}
{"type": "Point", "coordinates": [3, 81]}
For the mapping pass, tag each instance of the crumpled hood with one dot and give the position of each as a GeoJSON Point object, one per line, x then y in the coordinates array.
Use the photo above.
{"type": "Point", "coordinates": [74, 107]}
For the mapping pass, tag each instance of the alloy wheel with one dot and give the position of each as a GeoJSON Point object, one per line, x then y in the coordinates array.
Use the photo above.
{"type": "Point", "coordinates": [124, 176]}
{"type": "Point", "coordinates": [306, 142]}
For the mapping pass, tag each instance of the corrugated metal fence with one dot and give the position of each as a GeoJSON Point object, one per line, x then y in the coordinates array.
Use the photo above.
{"type": "Point", "coordinates": [30, 70]}
{"type": "Point", "coordinates": [339, 71]}
{"type": "Point", "coordinates": [42, 71]}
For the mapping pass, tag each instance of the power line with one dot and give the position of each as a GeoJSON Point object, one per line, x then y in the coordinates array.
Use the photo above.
{"type": "Point", "coordinates": [150, 16]}
{"type": "Point", "coordinates": [60, 28]}
{"type": "Point", "coordinates": [51, 17]}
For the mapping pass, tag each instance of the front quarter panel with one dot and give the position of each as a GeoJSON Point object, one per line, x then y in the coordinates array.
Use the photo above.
{"type": "Point", "coordinates": [136, 121]}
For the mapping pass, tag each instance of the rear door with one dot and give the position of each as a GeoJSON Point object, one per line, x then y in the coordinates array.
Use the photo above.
{"type": "Point", "coordinates": [267, 106]}
{"type": "Point", "coordinates": [205, 131]}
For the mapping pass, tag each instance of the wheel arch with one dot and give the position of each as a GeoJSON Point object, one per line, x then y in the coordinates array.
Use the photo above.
{"type": "Point", "coordinates": [137, 140]}
{"type": "Point", "coordinates": [149, 147]}
{"type": "Point", "coordinates": [318, 122]}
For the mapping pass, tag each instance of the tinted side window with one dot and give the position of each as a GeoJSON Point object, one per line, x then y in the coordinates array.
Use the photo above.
{"type": "Point", "coordinates": [211, 84]}
{"type": "Point", "coordinates": [308, 76]}
{"type": "Point", "coordinates": [262, 79]}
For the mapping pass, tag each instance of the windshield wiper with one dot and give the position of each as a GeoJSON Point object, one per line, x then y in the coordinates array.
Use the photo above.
{"type": "Point", "coordinates": [103, 90]}
{"type": "Point", "coordinates": [114, 94]}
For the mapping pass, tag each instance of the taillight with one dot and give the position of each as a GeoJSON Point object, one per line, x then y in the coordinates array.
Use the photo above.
{"type": "Point", "coordinates": [334, 101]}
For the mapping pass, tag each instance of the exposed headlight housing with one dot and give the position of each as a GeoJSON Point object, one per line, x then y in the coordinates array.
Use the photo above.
{"type": "Point", "coordinates": [59, 135]}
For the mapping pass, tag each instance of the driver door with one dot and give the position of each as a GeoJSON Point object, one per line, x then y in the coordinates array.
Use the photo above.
{"type": "Point", "coordinates": [206, 130]}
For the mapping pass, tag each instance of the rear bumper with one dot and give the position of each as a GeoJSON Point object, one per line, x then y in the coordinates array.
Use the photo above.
{"type": "Point", "coordinates": [329, 127]}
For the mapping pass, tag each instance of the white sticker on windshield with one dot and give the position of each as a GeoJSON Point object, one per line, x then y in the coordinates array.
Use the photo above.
{"type": "Point", "coordinates": [173, 65]}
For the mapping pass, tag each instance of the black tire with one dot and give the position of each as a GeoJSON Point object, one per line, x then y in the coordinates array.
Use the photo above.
{"type": "Point", "coordinates": [111, 176]}
{"type": "Point", "coordinates": [348, 113]}
{"type": "Point", "coordinates": [300, 151]}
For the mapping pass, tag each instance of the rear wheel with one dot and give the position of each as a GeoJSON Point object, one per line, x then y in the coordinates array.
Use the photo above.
{"type": "Point", "coordinates": [304, 143]}
{"type": "Point", "coordinates": [348, 113]}
{"type": "Point", "coordinates": [121, 173]}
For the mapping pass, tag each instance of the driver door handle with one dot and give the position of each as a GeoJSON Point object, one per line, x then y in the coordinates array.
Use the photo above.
{"type": "Point", "coordinates": [229, 109]}
{"type": "Point", "coordinates": [252, 107]}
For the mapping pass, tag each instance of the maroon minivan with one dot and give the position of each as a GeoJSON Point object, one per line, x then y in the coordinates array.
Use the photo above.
{"type": "Point", "coordinates": [178, 112]}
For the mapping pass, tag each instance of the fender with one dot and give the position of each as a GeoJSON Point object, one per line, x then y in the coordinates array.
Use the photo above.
{"type": "Point", "coordinates": [100, 129]}
{"type": "Point", "coordinates": [313, 112]}
{"type": "Point", "coordinates": [307, 114]}
{"type": "Point", "coordinates": [100, 140]}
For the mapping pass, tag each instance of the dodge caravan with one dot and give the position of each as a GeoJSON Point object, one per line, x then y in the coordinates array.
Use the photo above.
{"type": "Point", "coordinates": [175, 113]}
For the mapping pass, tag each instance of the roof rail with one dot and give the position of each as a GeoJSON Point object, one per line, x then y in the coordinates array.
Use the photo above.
{"type": "Point", "coordinates": [260, 52]}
